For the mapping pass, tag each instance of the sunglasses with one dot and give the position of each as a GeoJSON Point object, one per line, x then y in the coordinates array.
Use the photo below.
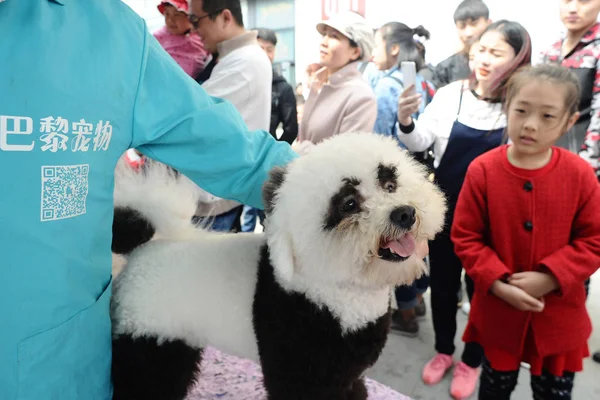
{"type": "Point", "coordinates": [195, 20]}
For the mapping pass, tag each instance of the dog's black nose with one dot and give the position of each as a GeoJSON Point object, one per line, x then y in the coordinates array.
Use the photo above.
{"type": "Point", "coordinates": [404, 217]}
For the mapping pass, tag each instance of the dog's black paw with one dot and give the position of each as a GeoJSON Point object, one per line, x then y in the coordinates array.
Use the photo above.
{"type": "Point", "coordinates": [359, 391]}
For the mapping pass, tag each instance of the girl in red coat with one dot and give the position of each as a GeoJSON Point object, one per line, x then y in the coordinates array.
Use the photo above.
{"type": "Point", "coordinates": [527, 229]}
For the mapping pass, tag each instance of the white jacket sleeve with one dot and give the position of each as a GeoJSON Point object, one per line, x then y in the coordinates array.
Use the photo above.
{"type": "Point", "coordinates": [433, 123]}
{"type": "Point", "coordinates": [423, 134]}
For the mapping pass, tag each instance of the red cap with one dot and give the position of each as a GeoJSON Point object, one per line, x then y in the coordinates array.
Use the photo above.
{"type": "Point", "coordinates": [180, 5]}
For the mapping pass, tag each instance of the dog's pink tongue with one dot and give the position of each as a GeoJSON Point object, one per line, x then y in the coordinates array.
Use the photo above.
{"type": "Point", "coordinates": [404, 247]}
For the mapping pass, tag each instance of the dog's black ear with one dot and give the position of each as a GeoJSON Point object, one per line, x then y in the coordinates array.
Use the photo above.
{"type": "Point", "coordinates": [271, 186]}
{"type": "Point", "coordinates": [130, 230]}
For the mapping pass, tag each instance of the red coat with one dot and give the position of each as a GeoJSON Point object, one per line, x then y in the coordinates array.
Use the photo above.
{"type": "Point", "coordinates": [511, 220]}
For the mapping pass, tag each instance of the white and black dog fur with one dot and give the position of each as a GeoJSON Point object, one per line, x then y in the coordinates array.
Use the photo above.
{"type": "Point", "coordinates": [309, 299]}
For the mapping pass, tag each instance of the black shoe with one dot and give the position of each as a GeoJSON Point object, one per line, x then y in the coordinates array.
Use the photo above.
{"type": "Point", "coordinates": [596, 357]}
{"type": "Point", "coordinates": [421, 309]}
{"type": "Point", "coordinates": [404, 327]}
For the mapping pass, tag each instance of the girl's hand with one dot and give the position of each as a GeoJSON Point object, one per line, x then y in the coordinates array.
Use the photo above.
{"type": "Point", "coordinates": [536, 284]}
{"type": "Point", "coordinates": [408, 104]}
{"type": "Point", "coordinates": [517, 297]}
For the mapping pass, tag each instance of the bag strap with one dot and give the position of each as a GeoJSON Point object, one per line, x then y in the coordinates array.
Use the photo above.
{"type": "Point", "coordinates": [396, 79]}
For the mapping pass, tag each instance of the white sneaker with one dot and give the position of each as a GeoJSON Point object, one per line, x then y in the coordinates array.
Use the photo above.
{"type": "Point", "coordinates": [466, 308]}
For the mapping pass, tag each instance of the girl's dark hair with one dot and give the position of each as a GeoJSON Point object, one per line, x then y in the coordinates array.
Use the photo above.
{"type": "Point", "coordinates": [518, 38]}
{"type": "Point", "coordinates": [545, 72]}
{"type": "Point", "coordinates": [471, 9]}
{"type": "Point", "coordinates": [396, 33]}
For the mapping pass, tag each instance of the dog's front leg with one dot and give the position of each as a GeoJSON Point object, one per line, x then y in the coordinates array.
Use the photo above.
{"type": "Point", "coordinates": [358, 391]}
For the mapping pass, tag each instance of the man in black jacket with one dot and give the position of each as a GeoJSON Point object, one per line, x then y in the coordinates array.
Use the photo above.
{"type": "Point", "coordinates": [471, 18]}
{"type": "Point", "coordinates": [283, 98]}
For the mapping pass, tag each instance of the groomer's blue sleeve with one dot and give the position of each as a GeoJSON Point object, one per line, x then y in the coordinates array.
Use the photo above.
{"type": "Point", "coordinates": [176, 122]}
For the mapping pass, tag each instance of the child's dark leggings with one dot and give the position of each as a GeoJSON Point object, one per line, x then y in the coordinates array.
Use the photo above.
{"type": "Point", "coordinates": [496, 385]}
{"type": "Point", "coordinates": [444, 278]}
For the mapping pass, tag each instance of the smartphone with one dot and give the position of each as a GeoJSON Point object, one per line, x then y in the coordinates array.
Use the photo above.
{"type": "Point", "coordinates": [409, 73]}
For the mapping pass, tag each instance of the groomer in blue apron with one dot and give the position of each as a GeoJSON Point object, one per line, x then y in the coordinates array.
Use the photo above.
{"type": "Point", "coordinates": [80, 83]}
{"type": "Point", "coordinates": [464, 120]}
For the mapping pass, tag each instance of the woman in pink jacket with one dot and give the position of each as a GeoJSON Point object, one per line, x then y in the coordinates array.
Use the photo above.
{"type": "Point", "coordinates": [340, 100]}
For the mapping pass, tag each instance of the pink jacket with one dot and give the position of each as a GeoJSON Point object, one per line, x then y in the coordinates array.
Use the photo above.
{"type": "Point", "coordinates": [187, 50]}
{"type": "Point", "coordinates": [345, 103]}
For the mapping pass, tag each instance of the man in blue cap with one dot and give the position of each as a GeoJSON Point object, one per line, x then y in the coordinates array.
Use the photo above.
{"type": "Point", "coordinates": [81, 82]}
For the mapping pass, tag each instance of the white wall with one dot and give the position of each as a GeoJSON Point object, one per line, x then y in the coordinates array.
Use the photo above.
{"type": "Point", "coordinates": [147, 10]}
{"type": "Point", "coordinates": [540, 18]}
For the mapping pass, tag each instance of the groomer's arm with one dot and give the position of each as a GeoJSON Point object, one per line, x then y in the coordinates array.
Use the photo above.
{"type": "Point", "coordinates": [203, 137]}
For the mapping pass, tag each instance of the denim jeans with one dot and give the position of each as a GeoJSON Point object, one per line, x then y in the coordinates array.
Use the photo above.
{"type": "Point", "coordinates": [222, 222]}
{"type": "Point", "coordinates": [249, 218]}
{"type": "Point", "coordinates": [406, 295]}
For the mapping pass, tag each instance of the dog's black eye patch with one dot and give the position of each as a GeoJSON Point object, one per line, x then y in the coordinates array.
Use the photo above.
{"type": "Point", "coordinates": [387, 176]}
{"type": "Point", "coordinates": [346, 202]}
{"type": "Point", "coordinates": [351, 181]}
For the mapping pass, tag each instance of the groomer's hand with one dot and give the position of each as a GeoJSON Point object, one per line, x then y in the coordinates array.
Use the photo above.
{"type": "Point", "coordinates": [408, 104]}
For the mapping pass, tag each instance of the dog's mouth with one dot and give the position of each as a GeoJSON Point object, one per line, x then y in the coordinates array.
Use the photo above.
{"type": "Point", "coordinates": [397, 249]}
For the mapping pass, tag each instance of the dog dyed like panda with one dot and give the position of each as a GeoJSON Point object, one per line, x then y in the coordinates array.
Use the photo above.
{"type": "Point", "coordinates": [309, 299]}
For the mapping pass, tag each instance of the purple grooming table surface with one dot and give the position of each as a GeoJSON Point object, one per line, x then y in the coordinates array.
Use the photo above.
{"type": "Point", "coordinates": [228, 377]}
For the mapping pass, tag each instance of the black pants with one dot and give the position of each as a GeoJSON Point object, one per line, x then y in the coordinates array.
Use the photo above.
{"type": "Point", "coordinates": [446, 270]}
{"type": "Point", "coordinates": [496, 385]}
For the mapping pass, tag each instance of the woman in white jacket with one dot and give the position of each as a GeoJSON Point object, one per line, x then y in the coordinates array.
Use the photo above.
{"type": "Point", "coordinates": [464, 120]}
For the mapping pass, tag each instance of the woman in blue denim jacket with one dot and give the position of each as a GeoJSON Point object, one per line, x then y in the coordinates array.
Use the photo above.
{"type": "Point", "coordinates": [394, 43]}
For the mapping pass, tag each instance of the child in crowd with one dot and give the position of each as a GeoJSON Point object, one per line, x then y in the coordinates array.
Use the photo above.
{"type": "Point", "coordinates": [178, 38]}
{"type": "Point", "coordinates": [471, 18]}
{"type": "Point", "coordinates": [527, 229]}
{"type": "Point", "coordinates": [394, 43]}
{"type": "Point", "coordinates": [464, 120]}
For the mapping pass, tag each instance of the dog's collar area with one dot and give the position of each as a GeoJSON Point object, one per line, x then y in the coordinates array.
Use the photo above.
{"type": "Point", "coordinates": [387, 255]}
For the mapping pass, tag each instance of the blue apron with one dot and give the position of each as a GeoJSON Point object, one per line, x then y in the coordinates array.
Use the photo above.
{"type": "Point", "coordinates": [81, 82]}
{"type": "Point", "coordinates": [464, 145]}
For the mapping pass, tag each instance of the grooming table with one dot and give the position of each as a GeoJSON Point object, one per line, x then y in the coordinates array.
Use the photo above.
{"type": "Point", "coordinates": [226, 377]}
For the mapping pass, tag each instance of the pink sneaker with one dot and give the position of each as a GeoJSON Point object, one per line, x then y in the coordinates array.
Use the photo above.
{"type": "Point", "coordinates": [436, 368]}
{"type": "Point", "coordinates": [464, 381]}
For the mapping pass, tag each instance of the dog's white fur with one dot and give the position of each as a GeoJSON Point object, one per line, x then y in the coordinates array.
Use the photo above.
{"type": "Point", "coordinates": [167, 200]}
{"type": "Point", "coordinates": [344, 273]}
{"type": "Point", "coordinates": [201, 289]}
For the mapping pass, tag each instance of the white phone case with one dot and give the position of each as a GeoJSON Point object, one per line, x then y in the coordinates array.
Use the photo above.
{"type": "Point", "coordinates": [409, 73]}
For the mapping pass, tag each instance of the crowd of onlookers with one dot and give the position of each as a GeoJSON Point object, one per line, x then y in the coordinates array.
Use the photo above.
{"type": "Point", "coordinates": [455, 112]}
